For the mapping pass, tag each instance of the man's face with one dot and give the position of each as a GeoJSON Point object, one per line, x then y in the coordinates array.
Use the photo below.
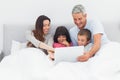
{"type": "Point", "coordinates": [79, 20]}
{"type": "Point", "coordinates": [82, 40]}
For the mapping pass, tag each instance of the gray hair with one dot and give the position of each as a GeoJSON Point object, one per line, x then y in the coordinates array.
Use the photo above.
{"type": "Point", "coordinates": [78, 9]}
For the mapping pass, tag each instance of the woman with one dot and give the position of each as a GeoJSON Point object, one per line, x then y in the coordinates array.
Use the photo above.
{"type": "Point", "coordinates": [40, 36]}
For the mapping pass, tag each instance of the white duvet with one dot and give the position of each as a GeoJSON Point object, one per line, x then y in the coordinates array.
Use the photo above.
{"type": "Point", "coordinates": [32, 64]}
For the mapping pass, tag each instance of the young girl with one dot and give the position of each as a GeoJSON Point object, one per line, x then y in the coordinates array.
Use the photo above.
{"type": "Point", "coordinates": [62, 37]}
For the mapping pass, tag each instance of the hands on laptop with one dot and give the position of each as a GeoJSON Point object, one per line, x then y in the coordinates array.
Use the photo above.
{"type": "Point", "coordinates": [51, 54]}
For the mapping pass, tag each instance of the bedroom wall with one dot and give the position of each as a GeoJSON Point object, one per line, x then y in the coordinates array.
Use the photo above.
{"type": "Point", "coordinates": [26, 11]}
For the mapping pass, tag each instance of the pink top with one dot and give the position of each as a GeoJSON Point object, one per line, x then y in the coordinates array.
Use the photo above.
{"type": "Point", "coordinates": [58, 45]}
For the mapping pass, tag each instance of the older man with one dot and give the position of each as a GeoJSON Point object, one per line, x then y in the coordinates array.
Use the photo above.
{"type": "Point", "coordinates": [98, 35]}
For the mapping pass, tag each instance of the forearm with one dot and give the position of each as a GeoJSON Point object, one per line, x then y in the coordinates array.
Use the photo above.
{"type": "Point", "coordinates": [94, 49]}
{"type": "Point", "coordinates": [45, 46]}
{"type": "Point", "coordinates": [96, 45]}
{"type": "Point", "coordinates": [36, 42]}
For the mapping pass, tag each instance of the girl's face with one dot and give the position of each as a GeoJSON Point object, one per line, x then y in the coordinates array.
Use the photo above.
{"type": "Point", "coordinates": [61, 38]}
{"type": "Point", "coordinates": [82, 40]}
{"type": "Point", "coordinates": [46, 26]}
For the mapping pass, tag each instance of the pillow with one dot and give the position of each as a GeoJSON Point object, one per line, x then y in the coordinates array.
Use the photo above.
{"type": "Point", "coordinates": [16, 46]}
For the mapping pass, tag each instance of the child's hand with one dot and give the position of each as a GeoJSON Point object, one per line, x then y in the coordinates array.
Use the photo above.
{"type": "Point", "coordinates": [84, 57]}
{"type": "Point", "coordinates": [65, 43]}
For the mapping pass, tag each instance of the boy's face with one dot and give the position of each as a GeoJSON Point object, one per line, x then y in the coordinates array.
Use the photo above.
{"type": "Point", "coordinates": [82, 40]}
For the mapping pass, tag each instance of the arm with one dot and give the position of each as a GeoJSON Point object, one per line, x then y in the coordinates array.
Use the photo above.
{"type": "Point", "coordinates": [93, 50]}
{"type": "Point", "coordinates": [30, 37]}
{"type": "Point", "coordinates": [96, 45]}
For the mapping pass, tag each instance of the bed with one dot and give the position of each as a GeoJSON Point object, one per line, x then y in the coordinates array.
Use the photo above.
{"type": "Point", "coordinates": [17, 66]}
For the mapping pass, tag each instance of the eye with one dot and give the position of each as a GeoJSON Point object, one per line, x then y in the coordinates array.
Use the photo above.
{"type": "Point", "coordinates": [80, 18]}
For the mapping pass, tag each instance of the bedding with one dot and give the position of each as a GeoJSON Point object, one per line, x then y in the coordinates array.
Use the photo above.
{"type": "Point", "coordinates": [22, 63]}
{"type": "Point", "coordinates": [33, 64]}
{"type": "Point", "coordinates": [17, 46]}
{"type": "Point", "coordinates": [27, 64]}
{"type": "Point", "coordinates": [104, 66]}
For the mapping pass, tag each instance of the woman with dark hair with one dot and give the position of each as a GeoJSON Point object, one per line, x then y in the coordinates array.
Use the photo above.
{"type": "Point", "coordinates": [62, 37]}
{"type": "Point", "coordinates": [40, 36]}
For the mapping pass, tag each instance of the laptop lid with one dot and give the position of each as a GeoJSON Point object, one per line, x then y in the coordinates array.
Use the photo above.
{"type": "Point", "coordinates": [69, 54]}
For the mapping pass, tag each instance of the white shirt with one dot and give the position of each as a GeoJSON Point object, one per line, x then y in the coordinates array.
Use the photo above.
{"type": "Point", "coordinates": [88, 47]}
{"type": "Point", "coordinates": [94, 26]}
{"type": "Point", "coordinates": [30, 37]}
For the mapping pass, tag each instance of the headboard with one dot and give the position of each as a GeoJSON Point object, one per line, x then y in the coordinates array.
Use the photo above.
{"type": "Point", "coordinates": [17, 32]}
{"type": "Point", "coordinates": [13, 32]}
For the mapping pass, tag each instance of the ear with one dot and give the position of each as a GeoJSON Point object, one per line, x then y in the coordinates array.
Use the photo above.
{"type": "Point", "coordinates": [85, 15]}
{"type": "Point", "coordinates": [88, 41]}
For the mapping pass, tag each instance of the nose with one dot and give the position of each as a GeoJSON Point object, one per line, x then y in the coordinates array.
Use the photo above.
{"type": "Point", "coordinates": [47, 27]}
{"type": "Point", "coordinates": [77, 21]}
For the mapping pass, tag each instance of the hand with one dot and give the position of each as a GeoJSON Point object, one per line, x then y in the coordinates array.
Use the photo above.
{"type": "Point", "coordinates": [84, 57]}
{"type": "Point", "coordinates": [66, 43]}
{"type": "Point", "coordinates": [51, 56]}
{"type": "Point", "coordinates": [51, 50]}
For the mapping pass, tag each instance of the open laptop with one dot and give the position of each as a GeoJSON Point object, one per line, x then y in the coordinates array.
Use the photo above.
{"type": "Point", "coordinates": [68, 54]}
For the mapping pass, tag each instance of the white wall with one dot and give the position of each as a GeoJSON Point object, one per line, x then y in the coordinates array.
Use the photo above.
{"type": "Point", "coordinates": [26, 11]}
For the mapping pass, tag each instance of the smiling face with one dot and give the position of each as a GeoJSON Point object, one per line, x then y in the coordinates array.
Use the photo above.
{"type": "Point", "coordinates": [61, 38]}
{"type": "Point", "coordinates": [46, 26]}
{"type": "Point", "coordinates": [79, 19]}
{"type": "Point", "coordinates": [82, 40]}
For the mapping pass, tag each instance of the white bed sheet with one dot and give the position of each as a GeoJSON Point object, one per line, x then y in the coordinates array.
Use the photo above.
{"type": "Point", "coordinates": [32, 64]}
{"type": "Point", "coordinates": [104, 66]}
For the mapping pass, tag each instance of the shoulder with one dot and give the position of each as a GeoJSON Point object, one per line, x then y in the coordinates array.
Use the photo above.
{"type": "Point", "coordinates": [94, 22]}
{"type": "Point", "coordinates": [88, 47]}
{"type": "Point", "coordinates": [73, 29]}
{"type": "Point", "coordinates": [29, 32]}
{"type": "Point", "coordinates": [90, 44]}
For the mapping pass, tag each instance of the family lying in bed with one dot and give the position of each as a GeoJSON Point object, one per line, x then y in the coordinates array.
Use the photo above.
{"type": "Point", "coordinates": [100, 60]}
{"type": "Point", "coordinates": [41, 38]}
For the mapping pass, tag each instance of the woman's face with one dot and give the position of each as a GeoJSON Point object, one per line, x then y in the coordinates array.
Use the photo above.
{"type": "Point", "coordinates": [61, 38]}
{"type": "Point", "coordinates": [82, 40]}
{"type": "Point", "coordinates": [46, 26]}
{"type": "Point", "coordinates": [79, 20]}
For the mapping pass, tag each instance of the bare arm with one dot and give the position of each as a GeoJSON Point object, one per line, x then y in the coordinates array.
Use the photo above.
{"type": "Point", "coordinates": [96, 45]}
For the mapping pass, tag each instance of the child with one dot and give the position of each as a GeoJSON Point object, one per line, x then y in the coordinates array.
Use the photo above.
{"type": "Point", "coordinates": [62, 37]}
{"type": "Point", "coordinates": [84, 37]}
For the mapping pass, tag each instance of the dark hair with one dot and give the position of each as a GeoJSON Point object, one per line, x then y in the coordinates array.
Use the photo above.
{"type": "Point", "coordinates": [85, 32]}
{"type": "Point", "coordinates": [38, 32]}
{"type": "Point", "coordinates": [62, 30]}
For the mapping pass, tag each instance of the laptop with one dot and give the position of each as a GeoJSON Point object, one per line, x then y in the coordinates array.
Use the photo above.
{"type": "Point", "coordinates": [68, 54]}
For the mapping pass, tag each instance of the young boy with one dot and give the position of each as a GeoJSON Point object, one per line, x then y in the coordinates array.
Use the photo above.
{"type": "Point", "coordinates": [84, 37]}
